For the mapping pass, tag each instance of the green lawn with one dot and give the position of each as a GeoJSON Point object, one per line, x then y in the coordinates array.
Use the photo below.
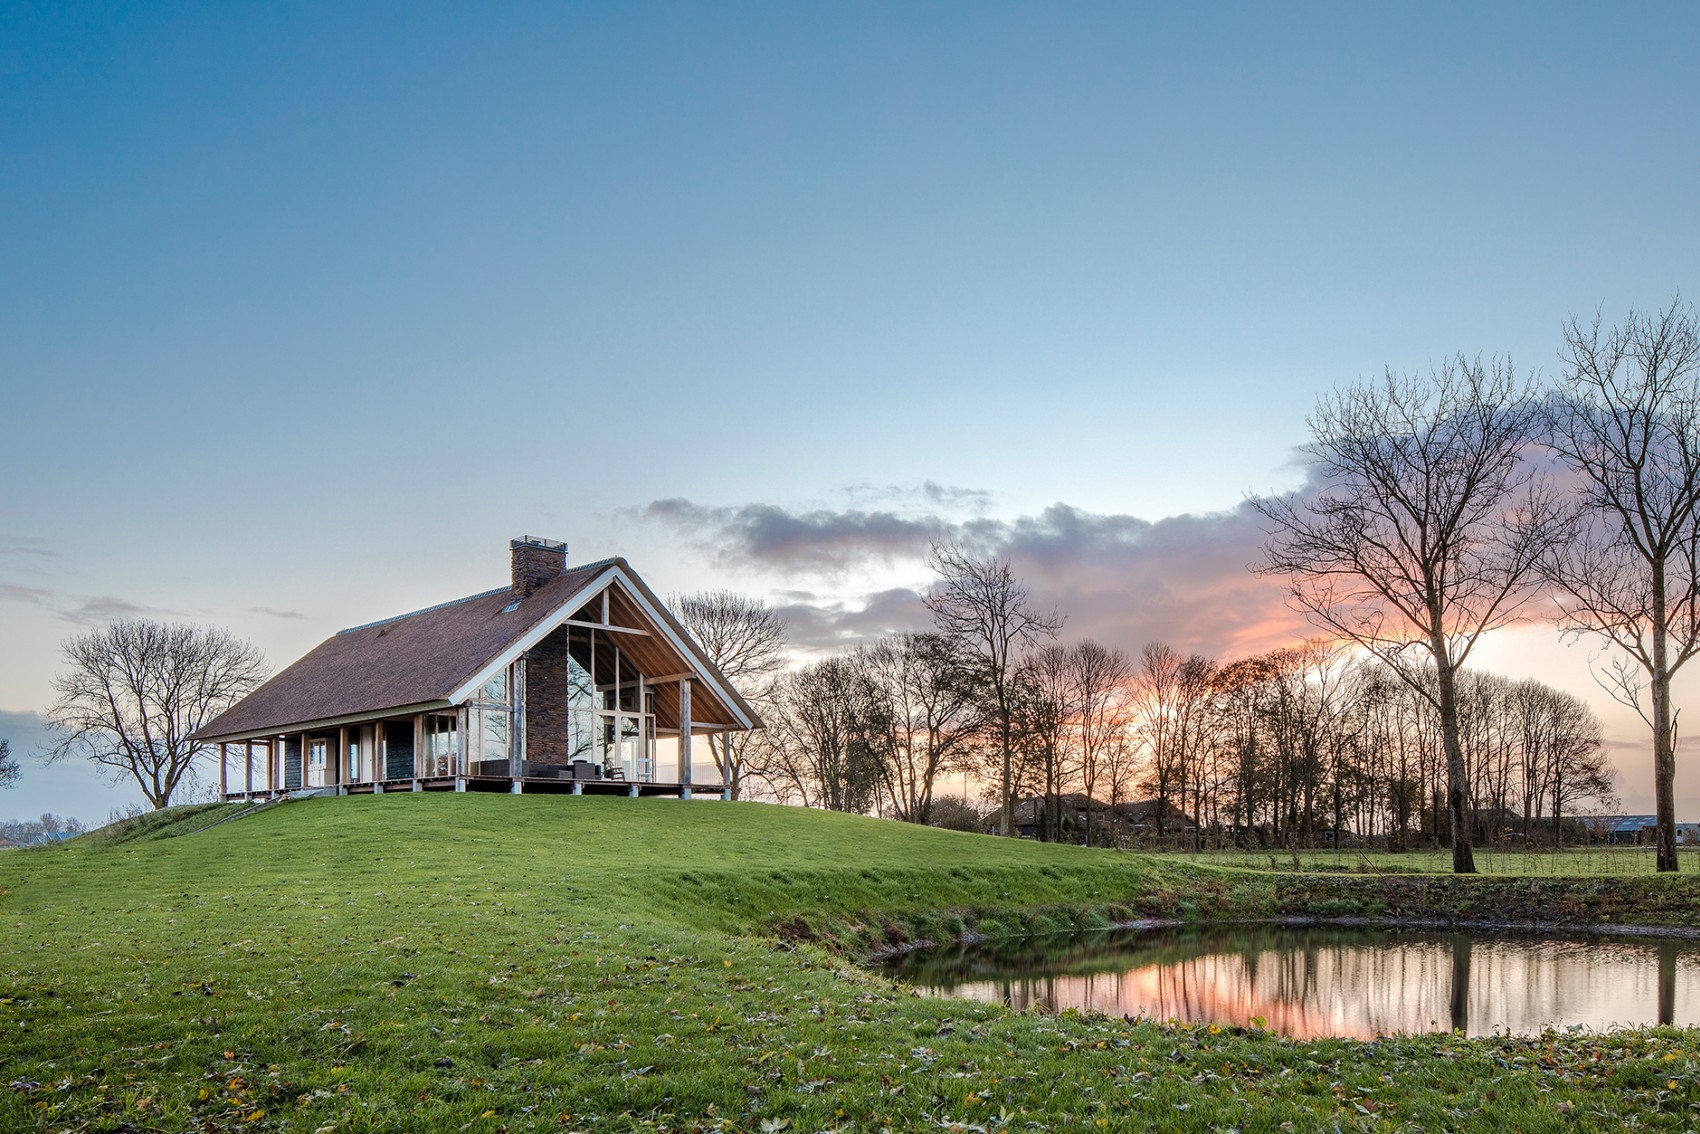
{"type": "Point", "coordinates": [1573, 862]}
{"type": "Point", "coordinates": [487, 963]}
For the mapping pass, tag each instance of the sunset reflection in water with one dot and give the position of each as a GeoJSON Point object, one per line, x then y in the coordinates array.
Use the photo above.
{"type": "Point", "coordinates": [1312, 982]}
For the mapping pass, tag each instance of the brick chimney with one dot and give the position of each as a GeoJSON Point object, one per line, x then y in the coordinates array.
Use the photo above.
{"type": "Point", "coordinates": [536, 561]}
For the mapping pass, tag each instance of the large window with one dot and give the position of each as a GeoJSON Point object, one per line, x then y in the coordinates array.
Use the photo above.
{"type": "Point", "coordinates": [442, 745]}
{"type": "Point", "coordinates": [609, 722]}
{"type": "Point", "coordinates": [489, 728]}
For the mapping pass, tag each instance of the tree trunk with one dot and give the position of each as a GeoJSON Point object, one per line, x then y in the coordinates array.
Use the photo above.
{"type": "Point", "coordinates": [1664, 740]}
{"type": "Point", "coordinates": [1004, 826]}
{"type": "Point", "coordinates": [1457, 775]}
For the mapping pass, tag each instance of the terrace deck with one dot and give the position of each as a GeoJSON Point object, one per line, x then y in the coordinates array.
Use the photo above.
{"type": "Point", "coordinates": [526, 784]}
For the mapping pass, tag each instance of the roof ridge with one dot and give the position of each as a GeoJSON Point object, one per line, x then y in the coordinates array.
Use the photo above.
{"type": "Point", "coordinates": [421, 610]}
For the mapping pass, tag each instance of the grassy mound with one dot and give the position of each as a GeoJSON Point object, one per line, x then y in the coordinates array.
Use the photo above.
{"type": "Point", "coordinates": [166, 823]}
{"type": "Point", "coordinates": [486, 963]}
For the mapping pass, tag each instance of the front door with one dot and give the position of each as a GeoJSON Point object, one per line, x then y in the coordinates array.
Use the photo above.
{"type": "Point", "coordinates": [318, 761]}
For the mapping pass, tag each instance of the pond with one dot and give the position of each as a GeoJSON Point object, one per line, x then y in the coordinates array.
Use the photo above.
{"type": "Point", "coordinates": [1312, 981]}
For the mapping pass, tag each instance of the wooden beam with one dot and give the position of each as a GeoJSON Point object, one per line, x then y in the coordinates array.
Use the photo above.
{"type": "Point", "coordinates": [223, 763]}
{"type": "Point", "coordinates": [606, 626]}
{"type": "Point", "coordinates": [685, 737]}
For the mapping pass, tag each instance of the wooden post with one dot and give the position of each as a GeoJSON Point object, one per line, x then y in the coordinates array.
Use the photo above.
{"type": "Point", "coordinates": [223, 764]}
{"type": "Point", "coordinates": [341, 756]}
{"type": "Point", "coordinates": [516, 720]}
{"type": "Point", "coordinates": [457, 751]}
{"type": "Point", "coordinates": [684, 738]}
{"type": "Point", "coordinates": [418, 746]}
{"type": "Point", "coordinates": [248, 748]}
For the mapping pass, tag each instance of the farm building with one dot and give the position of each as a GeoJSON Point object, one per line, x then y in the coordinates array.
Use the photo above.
{"type": "Point", "coordinates": [1640, 830]}
{"type": "Point", "coordinates": [568, 679]}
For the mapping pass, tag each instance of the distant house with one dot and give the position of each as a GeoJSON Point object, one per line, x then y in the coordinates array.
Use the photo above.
{"type": "Point", "coordinates": [572, 680]}
{"type": "Point", "coordinates": [1639, 830]}
{"type": "Point", "coordinates": [1146, 816]}
{"type": "Point", "coordinates": [1065, 817]}
{"type": "Point", "coordinates": [1061, 816]}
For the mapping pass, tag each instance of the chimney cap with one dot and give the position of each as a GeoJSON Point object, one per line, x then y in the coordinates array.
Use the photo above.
{"type": "Point", "coordinates": [538, 541]}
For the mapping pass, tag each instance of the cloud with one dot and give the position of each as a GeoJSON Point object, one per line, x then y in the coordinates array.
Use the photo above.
{"type": "Point", "coordinates": [1120, 579]}
{"type": "Point", "coordinates": [29, 734]}
{"type": "Point", "coordinates": [266, 610]}
{"type": "Point", "coordinates": [105, 608]}
{"type": "Point", "coordinates": [1126, 581]}
{"type": "Point", "coordinates": [826, 625]}
{"type": "Point", "coordinates": [16, 593]}
{"type": "Point", "coordinates": [26, 545]}
{"type": "Point", "coordinates": [823, 541]}
{"type": "Point", "coordinates": [929, 493]}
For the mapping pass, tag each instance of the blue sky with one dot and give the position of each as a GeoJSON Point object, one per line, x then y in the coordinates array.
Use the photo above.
{"type": "Point", "coordinates": [307, 309]}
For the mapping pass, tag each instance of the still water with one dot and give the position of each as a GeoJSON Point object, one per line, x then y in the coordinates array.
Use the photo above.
{"type": "Point", "coordinates": [1331, 981]}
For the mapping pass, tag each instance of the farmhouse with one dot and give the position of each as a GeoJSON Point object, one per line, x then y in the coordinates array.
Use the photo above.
{"type": "Point", "coordinates": [575, 680]}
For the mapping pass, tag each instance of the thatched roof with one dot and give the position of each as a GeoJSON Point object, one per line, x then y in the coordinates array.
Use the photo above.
{"type": "Point", "coordinates": [418, 661]}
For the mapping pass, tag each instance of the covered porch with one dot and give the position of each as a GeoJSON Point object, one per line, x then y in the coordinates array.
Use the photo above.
{"type": "Point", "coordinates": [608, 700]}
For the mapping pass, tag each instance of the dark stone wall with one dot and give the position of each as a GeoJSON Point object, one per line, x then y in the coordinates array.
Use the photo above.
{"type": "Point", "coordinates": [546, 700]}
{"type": "Point", "coordinates": [291, 762]}
{"type": "Point", "coordinates": [398, 750]}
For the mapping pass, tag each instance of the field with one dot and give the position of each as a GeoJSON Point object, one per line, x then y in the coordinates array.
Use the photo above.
{"type": "Point", "coordinates": [483, 964]}
{"type": "Point", "coordinates": [1574, 862]}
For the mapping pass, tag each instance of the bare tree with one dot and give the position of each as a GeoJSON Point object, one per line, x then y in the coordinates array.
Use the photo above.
{"type": "Point", "coordinates": [980, 603]}
{"type": "Point", "coordinates": [134, 693]}
{"type": "Point", "coordinates": [1626, 419]}
{"type": "Point", "coordinates": [745, 639]}
{"type": "Point", "coordinates": [1043, 709]}
{"type": "Point", "coordinates": [1171, 698]}
{"type": "Point", "coordinates": [1100, 678]}
{"type": "Point", "coordinates": [935, 709]}
{"type": "Point", "coordinates": [8, 765]}
{"type": "Point", "coordinates": [824, 737]}
{"type": "Point", "coordinates": [1425, 533]}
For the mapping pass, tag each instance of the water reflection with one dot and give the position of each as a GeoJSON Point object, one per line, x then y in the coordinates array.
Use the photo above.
{"type": "Point", "coordinates": [1310, 982]}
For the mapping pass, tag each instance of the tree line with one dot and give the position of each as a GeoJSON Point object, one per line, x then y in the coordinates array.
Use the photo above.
{"type": "Point", "coordinates": [1443, 505]}
{"type": "Point", "coordinates": [1297, 747]}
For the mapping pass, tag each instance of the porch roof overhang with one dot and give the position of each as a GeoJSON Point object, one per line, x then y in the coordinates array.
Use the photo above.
{"type": "Point", "coordinates": [328, 722]}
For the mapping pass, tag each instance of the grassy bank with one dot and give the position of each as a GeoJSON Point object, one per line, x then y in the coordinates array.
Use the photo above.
{"type": "Point", "coordinates": [469, 963]}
